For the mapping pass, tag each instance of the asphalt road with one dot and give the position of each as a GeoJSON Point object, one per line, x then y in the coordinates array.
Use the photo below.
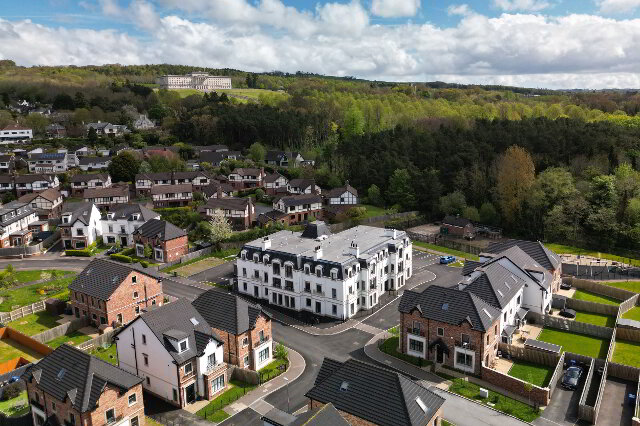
{"type": "Point", "coordinates": [48, 261]}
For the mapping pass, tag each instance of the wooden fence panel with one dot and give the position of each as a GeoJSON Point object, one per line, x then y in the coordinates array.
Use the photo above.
{"type": "Point", "coordinates": [557, 374]}
{"type": "Point", "coordinates": [6, 317]}
{"type": "Point", "coordinates": [587, 383]}
{"type": "Point", "coordinates": [61, 330]}
{"type": "Point", "coordinates": [529, 355]}
{"type": "Point", "coordinates": [107, 337]}
{"type": "Point", "coordinates": [626, 333]}
{"type": "Point", "coordinates": [624, 372]}
{"type": "Point", "coordinates": [571, 325]}
{"type": "Point", "coordinates": [598, 288]}
{"type": "Point", "coordinates": [593, 307]}
{"type": "Point", "coordinates": [629, 303]}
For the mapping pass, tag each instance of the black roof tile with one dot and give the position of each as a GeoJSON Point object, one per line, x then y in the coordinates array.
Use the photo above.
{"type": "Point", "coordinates": [228, 312]}
{"type": "Point", "coordinates": [160, 228]}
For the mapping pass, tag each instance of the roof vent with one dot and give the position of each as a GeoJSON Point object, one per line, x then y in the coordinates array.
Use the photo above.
{"type": "Point", "coordinates": [505, 283]}
{"type": "Point", "coordinates": [445, 306]}
{"type": "Point", "coordinates": [344, 386]}
{"type": "Point", "coordinates": [194, 321]}
{"type": "Point", "coordinates": [421, 405]}
{"type": "Point", "coordinates": [487, 312]}
{"type": "Point", "coordinates": [500, 293]}
{"type": "Point", "coordinates": [61, 374]}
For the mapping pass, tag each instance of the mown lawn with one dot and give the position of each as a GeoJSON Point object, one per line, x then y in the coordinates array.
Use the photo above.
{"type": "Point", "coordinates": [564, 249]}
{"type": "Point", "coordinates": [576, 343]}
{"type": "Point", "coordinates": [502, 403]}
{"type": "Point", "coordinates": [110, 354]}
{"type": "Point", "coordinates": [16, 298]}
{"type": "Point", "coordinates": [214, 412]}
{"type": "Point", "coordinates": [10, 349]}
{"type": "Point", "coordinates": [28, 276]}
{"type": "Point", "coordinates": [627, 353]}
{"type": "Point", "coordinates": [73, 339]}
{"type": "Point", "coordinates": [593, 297]}
{"type": "Point", "coordinates": [625, 285]}
{"type": "Point", "coordinates": [536, 374]}
{"type": "Point", "coordinates": [11, 406]}
{"type": "Point", "coordinates": [390, 347]}
{"type": "Point", "coordinates": [632, 314]}
{"type": "Point", "coordinates": [373, 211]}
{"type": "Point", "coordinates": [445, 250]}
{"type": "Point", "coordinates": [272, 369]}
{"type": "Point", "coordinates": [35, 323]}
{"type": "Point", "coordinates": [596, 319]}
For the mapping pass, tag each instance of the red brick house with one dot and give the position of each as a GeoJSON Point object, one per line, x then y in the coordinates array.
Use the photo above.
{"type": "Point", "coordinates": [299, 208]}
{"type": "Point", "coordinates": [449, 326]}
{"type": "Point", "coordinates": [244, 328]}
{"type": "Point", "coordinates": [167, 241]}
{"type": "Point", "coordinates": [112, 293]}
{"type": "Point", "coordinates": [71, 387]}
{"type": "Point", "coordinates": [457, 226]}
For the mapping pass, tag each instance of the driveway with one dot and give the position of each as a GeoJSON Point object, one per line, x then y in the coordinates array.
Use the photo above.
{"type": "Point", "coordinates": [563, 408]}
{"type": "Point", "coordinates": [615, 410]}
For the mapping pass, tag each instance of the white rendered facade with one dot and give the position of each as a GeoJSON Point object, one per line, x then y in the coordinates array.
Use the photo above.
{"type": "Point", "coordinates": [333, 276]}
{"type": "Point", "coordinates": [121, 230]}
{"type": "Point", "coordinates": [195, 80]}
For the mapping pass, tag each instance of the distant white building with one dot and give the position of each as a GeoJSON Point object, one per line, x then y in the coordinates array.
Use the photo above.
{"type": "Point", "coordinates": [48, 163]}
{"type": "Point", "coordinates": [143, 122]}
{"type": "Point", "coordinates": [14, 133]}
{"type": "Point", "coordinates": [195, 80]}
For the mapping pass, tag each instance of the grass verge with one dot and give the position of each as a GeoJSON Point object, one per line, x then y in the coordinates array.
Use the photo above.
{"type": "Point", "coordinates": [447, 250]}
{"type": "Point", "coordinates": [15, 407]}
{"type": "Point", "coordinates": [272, 370]}
{"type": "Point", "coordinates": [627, 353]}
{"type": "Point", "coordinates": [109, 355]}
{"type": "Point", "coordinates": [214, 412]}
{"type": "Point", "coordinates": [35, 323]}
{"type": "Point", "coordinates": [594, 297]}
{"type": "Point", "coordinates": [536, 374]}
{"type": "Point", "coordinates": [576, 343]}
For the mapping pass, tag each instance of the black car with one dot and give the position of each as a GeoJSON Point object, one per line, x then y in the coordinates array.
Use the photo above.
{"type": "Point", "coordinates": [112, 250]}
{"type": "Point", "coordinates": [567, 313]}
{"type": "Point", "coordinates": [571, 378]}
{"type": "Point", "coordinates": [565, 286]}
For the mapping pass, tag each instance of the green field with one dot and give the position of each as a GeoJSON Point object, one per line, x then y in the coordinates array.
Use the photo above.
{"type": "Point", "coordinates": [627, 353]}
{"type": "Point", "coordinates": [632, 314]}
{"type": "Point", "coordinates": [73, 339]}
{"type": "Point", "coordinates": [564, 249]}
{"type": "Point", "coordinates": [34, 323]}
{"type": "Point", "coordinates": [109, 355]}
{"type": "Point", "coordinates": [13, 299]}
{"type": "Point", "coordinates": [576, 343]}
{"type": "Point", "coordinates": [596, 319]}
{"type": "Point", "coordinates": [593, 297]}
{"type": "Point", "coordinates": [35, 275]}
{"type": "Point", "coordinates": [625, 285]}
{"type": "Point", "coordinates": [447, 250]}
{"type": "Point", "coordinates": [240, 94]}
{"type": "Point", "coordinates": [536, 374]}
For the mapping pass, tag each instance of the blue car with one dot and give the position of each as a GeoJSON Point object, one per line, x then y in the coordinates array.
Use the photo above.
{"type": "Point", "coordinates": [445, 260]}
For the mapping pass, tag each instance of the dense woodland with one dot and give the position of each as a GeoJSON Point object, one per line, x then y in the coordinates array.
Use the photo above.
{"type": "Point", "coordinates": [559, 166]}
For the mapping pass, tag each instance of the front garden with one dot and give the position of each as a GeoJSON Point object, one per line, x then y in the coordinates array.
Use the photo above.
{"type": "Point", "coordinates": [536, 374]}
{"type": "Point", "coordinates": [214, 410]}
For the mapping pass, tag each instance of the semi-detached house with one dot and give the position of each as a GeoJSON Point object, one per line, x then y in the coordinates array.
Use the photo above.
{"type": "Point", "coordinates": [26, 184]}
{"type": "Point", "coordinates": [243, 178]}
{"type": "Point", "coordinates": [48, 203]}
{"type": "Point", "coordinates": [167, 241]}
{"type": "Point", "coordinates": [80, 225]}
{"type": "Point", "coordinates": [48, 163]}
{"type": "Point", "coordinates": [172, 195]}
{"type": "Point", "coordinates": [15, 218]}
{"type": "Point", "coordinates": [89, 181]}
{"type": "Point", "coordinates": [146, 181]}
{"type": "Point", "coordinates": [240, 212]}
{"type": "Point", "coordinates": [122, 220]}
{"type": "Point", "coordinates": [107, 198]}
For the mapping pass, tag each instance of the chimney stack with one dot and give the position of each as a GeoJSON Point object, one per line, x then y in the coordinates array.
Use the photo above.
{"type": "Point", "coordinates": [266, 244]}
{"type": "Point", "coordinates": [317, 253]}
{"type": "Point", "coordinates": [354, 249]}
{"type": "Point", "coordinates": [219, 192]}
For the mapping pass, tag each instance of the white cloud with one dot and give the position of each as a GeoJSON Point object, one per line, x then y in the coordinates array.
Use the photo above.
{"type": "Point", "coordinates": [618, 6]}
{"type": "Point", "coordinates": [140, 12]}
{"type": "Point", "coordinates": [395, 8]}
{"type": "Point", "coordinates": [525, 5]}
{"type": "Point", "coordinates": [460, 9]}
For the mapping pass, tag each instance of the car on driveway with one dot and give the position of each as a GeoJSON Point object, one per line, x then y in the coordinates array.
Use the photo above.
{"type": "Point", "coordinates": [567, 313]}
{"type": "Point", "coordinates": [112, 250]}
{"type": "Point", "coordinates": [445, 260]}
{"type": "Point", "coordinates": [571, 378]}
{"type": "Point", "coordinates": [565, 286]}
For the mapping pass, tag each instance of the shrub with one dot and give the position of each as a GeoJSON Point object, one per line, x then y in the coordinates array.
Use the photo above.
{"type": "Point", "coordinates": [128, 251]}
{"type": "Point", "coordinates": [121, 258]}
{"type": "Point", "coordinates": [11, 391]}
{"type": "Point", "coordinates": [144, 263]}
{"type": "Point", "coordinates": [81, 253]}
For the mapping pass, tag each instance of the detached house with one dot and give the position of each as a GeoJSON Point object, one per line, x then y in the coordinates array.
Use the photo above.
{"type": "Point", "coordinates": [299, 208]}
{"type": "Point", "coordinates": [26, 184]}
{"type": "Point", "coordinates": [48, 163]}
{"type": "Point", "coordinates": [107, 197]}
{"type": "Point", "coordinates": [122, 220]}
{"type": "Point", "coordinates": [70, 387]}
{"type": "Point", "coordinates": [239, 211]}
{"type": "Point", "coordinates": [345, 195]}
{"type": "Point", "coordinates": [303, 186]}
{"type": "Point", "coordinates": [365, 394]}
{"type": "Point", "coordinates": [167, 241]}
{"type": "Point", "coordinates": [89, 181]}
{"type": "Point", "coordinates": [243, 178]}
{"type": "Point", "coordinates": [178, 355]}
{"type": "Point", "coordinates": [14, 133]}
{"type": "Point", "coordinates": [216, 158]}
{"type": "Point", "coordinates": [284, 159]}
{"type": "Point", "coordinates": [457, 226]}
{"type": "Point", "coordinates": [94, 163]}
{"type": "Point", "coordinates": [244, 328]}
{"type": "Point", "coordinates": [56, 131]}
{"type": "Point", "coordinates": [146, 181]}
{"type": "Point", "coordinates": [143, 123]}
{"type": "Point", "coordinates": [80, 225]}
{"type": "Point", "coordinates": [217, 190]}
{"type": "Point", "coordinates": [48, 203]}
{"type": "Point", "coordinates": [172, 195]}
{"type": "Point", "coordinates": [107, 129]}
{"type": "Point", "coordinates": [112, 293]}
{"type": "Point", "coordinates": [275, 183]}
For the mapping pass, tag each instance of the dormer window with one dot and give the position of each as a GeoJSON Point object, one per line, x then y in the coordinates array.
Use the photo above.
{"type": "Point", "coordinates": [256, 257]}
{"type": "Point", "coordinates": [318, 271]}
{"type": "Point", "coordinates": [183, 346]}
{"type": "Point", "coordinates": [243, 255]}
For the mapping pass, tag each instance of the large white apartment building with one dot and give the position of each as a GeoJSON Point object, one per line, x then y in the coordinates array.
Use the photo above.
{"type": "Point", "coordinates": [194, 80]}
{"type": "Point", "coordinates": [323, 274]}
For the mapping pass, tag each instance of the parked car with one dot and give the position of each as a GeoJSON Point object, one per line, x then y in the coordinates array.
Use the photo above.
{"type": "Point", "coordinates": [14, 379]}
{"type": "Point", "coordinates": [567, 313]}
{"type": "Point", "coordinates": [565, 286]}
{"type": "Point", "coordinates": [445, 260]}
{"type": "Point", "coordinates": [112, 250]}
{"type": "Point", "coordinates": [571, 378]}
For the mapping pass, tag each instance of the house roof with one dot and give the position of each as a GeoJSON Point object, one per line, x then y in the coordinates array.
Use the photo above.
{"type": "Point", "coordinates": [47, 156]}
{"type": "Point", "coordinates": [126, 211]}
{"type": "Point", "coordinates": [470, 266]}
{"type": "Point", "coordinates": [16, 127]}
{"type": "Point", "coordinates": [171, 189]}
{"type": "Point", "coordinates": [51, 194]}
{"type": "Point", "coordinates": [179, 320]}
{"type": "Point", "coordinates": [212, 188]}
{"type": "Point", "coordinates": [451, 306]}
{"type": "Point", "coordinates": [228, 312]}
{"type": "Point", "coordinates": [296, 200]}
{"type": "Point", "coordinates": [160, 229]}
{"type": "Point", "coordinates": [301, 183]}
{"type": "Point", "coordinates": [545, 257]}
{"type": "Point", "coordinates": [35, 178]}
{"type": "Point", "coordinates": [456, 221]}
{"type": "Point", "coordinates": [102, 277]}
{"type": "Point", "coordinates": [68, 372]}
{"type": "Point", "coordinates": [374, 394]}
{"type": "Point", "coordinates": [336, 192]}
{"type": "Point", "coordinates": [326, 415]}
{"type": "Point", "coordinates": [246, 171]}
{"type": "Point", "coordinates": [110, 191]}
{"type": "Point", "coordinates": [315, 229]}
{"type": "Point", "coordinates": [278, 155]}
{"type": "Point", "coordinates": [90, 176]}
{"type": "Point", "coordinates": [227, 203]}
{"type": "Point", "coordinates": [6, 158]}
{"type": "Point", "coordinates": [270, 178]}
{"type": "Point", "coordinates": [79, 211]}
{"type": "Point", "coordinates": [170, 175]}
{"type": "Point", "coordinates": [84, 161]}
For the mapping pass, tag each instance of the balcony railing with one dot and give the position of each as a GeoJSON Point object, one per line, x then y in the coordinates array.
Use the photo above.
{"type": "Point", "coordinates": [264, 339]}
{"type": "Point", "coordinates": [37, 404]}
{"type": "Point", "coordinates": [416, 331]}
{"type": "Point", "coordinates": [319, 293]}
{"type": "Point", "coordinates": [112, 420]}
{"type": "Point", "coordinates": [214, 367]}
{"type": "Point", "coordinates": [468, 346]}
{"type": "Point", "coordinates": [288, 287]}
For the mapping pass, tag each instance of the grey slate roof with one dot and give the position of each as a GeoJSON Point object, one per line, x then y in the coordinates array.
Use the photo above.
{"type": "Point", "coordinates": [212, 188]}
{"type": "Point", "coordinates": [126, 211]}
{"type": "Point", "coordinates": [34, 178]}
{"type": "Point", "coordinates": [327, 415]}
{"type": "Point", "coordinates": [171, 189]}
{"type": "Point", "coordinates": [228, 312]}
{"type": "Point", "coordinates": [374, 394]}
{"type": "Point", "coordinates": [315, 229]}
{"type": "Point", "coordinates": [89, 176]}
{"type": "Point", "coordinates": [160, 228]}
{"type": "Point", "coordinates": [270, 178]}
{"type": "Point", "coordinates": [496, 284]}
{"type": "Point", "coordinates": [109, 191]}
{"type": "Point", "coordinates": [79, 211]}
{"type": "Point", "coordinates": [227, 203]}
{"type": "Point", "coordinates": [451, 306]}
{"type": "Point", "coordinates": [336, 192]}
{"type": "Point", "coordinates": [83, 377]}
{"type": "Point", "coordinates": [102, 277]}
{"type": "Point", "coordinates": [535, 249]}
{"type": "Point", "coordinates": [175, 320]}
{"type": "Point", "coordinates": [301, 183]}
{"type": "Point", "coordinates": [469, 266]}
{"type": "Point", "coordinates": [456, 221]}
{"type": "Point", "coordinates": [296, 200]}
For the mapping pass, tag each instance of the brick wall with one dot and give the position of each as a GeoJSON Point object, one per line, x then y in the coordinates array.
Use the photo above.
{"type": "Point", "coordinates": [235, 351]}
{"type": "Point", "coordinates": [122, 301]}
{"type": "Point", "coordinates": [174, 249]}
{"type": "Point", "coordinates": [541, 396]}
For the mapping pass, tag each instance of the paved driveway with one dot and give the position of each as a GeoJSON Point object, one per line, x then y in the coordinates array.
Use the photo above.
{"type": "Point", "coordinates": [615, 410]}
{"type": "Point", "coordinates": [563, 408]}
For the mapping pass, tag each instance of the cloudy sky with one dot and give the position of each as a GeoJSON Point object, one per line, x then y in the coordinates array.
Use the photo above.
{"type": "Point", "coordinates": [533, 43]}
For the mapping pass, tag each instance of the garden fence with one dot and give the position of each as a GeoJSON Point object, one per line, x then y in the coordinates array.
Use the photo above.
{"type": "Point", "coordinates": [98, 341]}
{"type": "Point", "coordinates": [529, 355]}
{"type": "Point", "coordinates": [636, 419]}
{"type": "Point", "coordinates": [223, 402]}
{"type": "Point", "coordinates": [603, 383]}
{"type": "Point", "coordinates": [624, 372]}
{"type": "Point", "coordinates": [61, 330]}
{"type": "Point", "coordinates": [571, 325]}
{"type": "Point", "coordinates": [557, 374]}
{"type": "Point", "coordinates": [627, 333]}
{"type": "Point", "coordinates": [6, 317]}
{"type": "Point", "coordinates": [587, 383]}
{"type": "Point", "coordinates": [601, 289]}
{"type": "Point", "coordinates": [188, 257]}
{"type": "Point", "coordinates": [593, 307]}
{"type": "Point", "coordinates": [629, 303]}
{"type": "Point", "coordinates": [243, 375]}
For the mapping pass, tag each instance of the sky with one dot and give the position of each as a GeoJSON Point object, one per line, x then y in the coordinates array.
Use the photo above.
{"type": "Point", "coordinates": [558, 44]}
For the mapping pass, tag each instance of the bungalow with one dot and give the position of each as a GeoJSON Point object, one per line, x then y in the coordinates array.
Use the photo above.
{"type": "Point", "coordinates": [94, 163]}
{"type": "Point", "coordinates": [107, 129]}
{"type": "Point", "coordinates": [89, 181]}
{"type": "Point", "coordinates": [143, 123]}
{"type": "Point", "coordinates": [283, 159]}
{"type": "Point", "coordinates": [26, 184]}
{"type": "Point", "coordinates": [107, 197]}
{"type": "Point", "coordinates": [239, 211]}
{"type": "Point", "coordinates": [172, 195]}
{"type": "Point", "coordinates": [299, 208]}
{"type": "Point", "coordinates": [243, 178]}
{"type": "Point", "coordinates": [345, 195]}
{"type": "Point", "coordinates": [48, 203]}
{"type": "Point", "coordinates": [122, 220]}
{"type": "Point", "coordinates": [111, 293]}
{"type": "Point", "coordinates": [80, 225]}
{"type": "Point", "coordinates": [275, 183]}
{"type": "Point", "coordinates": [167, 241]}
{"type": "Point", "coordinates": [70, 387]}
{"type": "Point", "coordinates": [176, 353]}
{"type": "Point", "coordinates": [303, 186]}
{"type": "Point", "coordinates": [457, 226]}
{"type": "Point", "coordinates": [48, 163]}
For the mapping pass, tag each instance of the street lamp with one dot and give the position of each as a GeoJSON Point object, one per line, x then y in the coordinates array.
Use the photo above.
{"type": "Point", "coordinates": [287, 380]}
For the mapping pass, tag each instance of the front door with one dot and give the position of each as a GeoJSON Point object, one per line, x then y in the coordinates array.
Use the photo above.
{"type": "Point", "coordinates": [67, 244]}
{"type": "Point", "coordinates": [123, 241]}
{"type": "Point", "coordinates": [190, 393]}
{"type": "Point", "coordinates": [439, 355]}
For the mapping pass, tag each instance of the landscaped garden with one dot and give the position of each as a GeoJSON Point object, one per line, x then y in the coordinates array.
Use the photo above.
{"type": "Point", "coordinates": [110, 354]}
{"type": "Point", "coordinates": [447, 250]}
{"type": "Point", "coordinates": [576, 343]}
{"type": "Point", "coordinates": [39, 274]}
{"type": "Point", "coordinates": [214, 412]}
{"type": "Point", "coordinates": [596, 319]}
{"type": "Point", "coordinates": [536, 374]}
{"type": "Point", "coordinates": [627, 353]}
{"type": "Point", "coordinates": [594, 297]}
{"type": "Point", "coordinates": [499, 402]}
{"type": "Point", "coordinates": [34, 323]}
{"type": "Point", "coordinates": [11, 299]}
{"type": "Point", "coordinates": [632, 314]}
{"type": "Point", "coordinates": [565, 249]}
{"type": "Point", "coordinates": [73, 339]}
{"type": "Point", "coordinates": [16, 406]}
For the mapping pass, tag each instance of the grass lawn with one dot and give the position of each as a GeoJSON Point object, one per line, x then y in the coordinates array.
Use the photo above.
{"type": "Point", "coordinates": [445, 250]}
{"type": "Point", "coordinates": [272, 369]}
{"type": "Point", "coordinates": [390, 347]}
{"type": "Point", "coordinates": [213, 411]}
{"type": "Point", "coordinates": [198, 265]}
{"type": "Point", "coordinates": [625, 285]}
{"type": "Point", "coordinates": [73, 339]}
{"type": "Point", "coordinates": [10, 407]}
{"type": "Point", "coordinates": [576, 343]}
{"type": "Point", "coordinates": [633, 314]}
{"type": "Point", "coordinates": [593, 297]}
{"type": "Point", "coordinates": [596, 319]}
{"type": "Point", "coordinates": [10, 349]}
{"type": "Point", "coordinates": [535, 374]}
{"type": "Point", "coordinates": [34, 323]}
{"type": "Point", "coordinates": [564, 249]}
{"type": "Point", "coordinates": [110, 354]}
{"type": "Point", "coordinates": [28, 276]}
{"type": "Point", "coordinates": [150, 422]}
{"type": "Point", "coordinates": [373, 211]}
{"type": "Point", "coordinates": [502, 403]}
{"type": "Point", "coordinates": [457, 264]}
{"type": "Point", "coordinates": [16, 298]}
{"type": "Point", "coordinates": [627, 353]}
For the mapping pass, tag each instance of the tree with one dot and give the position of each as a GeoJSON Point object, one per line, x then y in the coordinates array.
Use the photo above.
{"type": "Point", "coordinates": [257, 152]}
{"type": "Point", "coordinates": [259, 194]}
{"type": "Point", "coordinates": [124, 167]}
{"type": "Point", "coordinates": [471, 213]}
{"type": "Point", "coordinates": [515, 176]}
{"type": "Point", "coordinates": [400, 190]}
{"type": "Point", "coordinates": [63, 102]}
{"type": "Point", "coordinates": [92, 136]}
{"type": "Point", "coordinates": [220, 228]}
{"type": "Point", "coordinates": [453, 203]}
{"type": "Point", "coordinates": [488, 214]}
{"type": "Point", "coordinates": [280, 352]}
{"type": "Point", "coordinates": [374, 196]}
{"type": "Point", "coordinates": [148, 251]}
{"type": "Point", "coordinates": [353, 122]}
